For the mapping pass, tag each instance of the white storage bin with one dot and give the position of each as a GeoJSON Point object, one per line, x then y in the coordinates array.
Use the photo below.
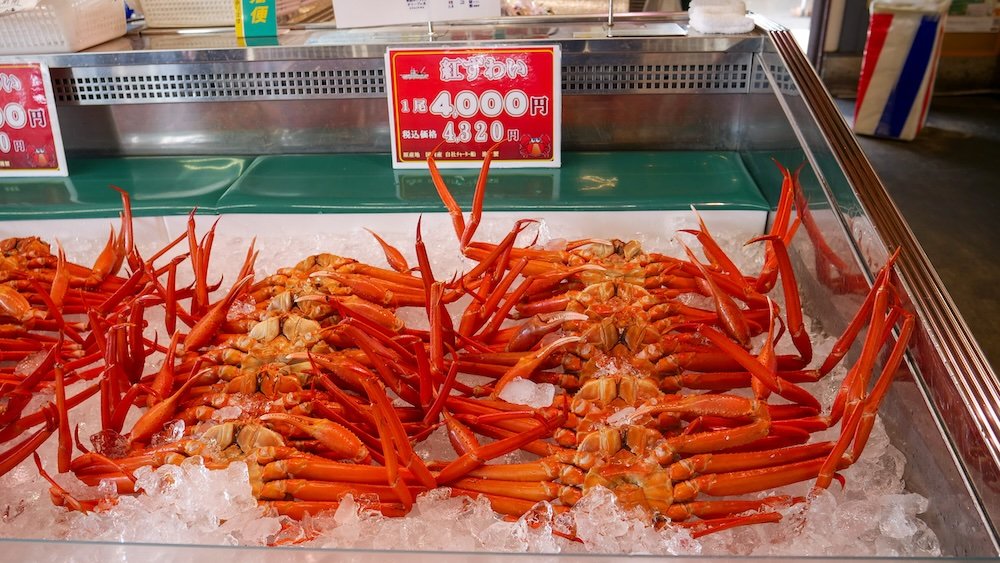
{"type": "Point", "coordinates": [201, 13]}
{"type": "Point", "coordinates": [60, 26]}
{"type": "Point", "coordinates": [187, 13]}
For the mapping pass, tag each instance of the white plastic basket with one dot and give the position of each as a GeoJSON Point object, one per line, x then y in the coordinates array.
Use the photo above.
{"type": "Point", "coordinates": [187, 13]}
{"type": "Point", "coordinates": [61, 26]}
{"type": "Point", "coordinates": [199, 13]}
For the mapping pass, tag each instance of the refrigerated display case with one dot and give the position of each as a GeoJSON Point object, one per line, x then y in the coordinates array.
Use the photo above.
{"type": "Point", "coordinates": [655, 118]}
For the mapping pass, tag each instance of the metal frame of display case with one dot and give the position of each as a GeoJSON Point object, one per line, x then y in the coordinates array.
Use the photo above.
{"type": "Point", "coordinates": [322, 90]}
{"type": "Point", "coordinates": [959, 382]}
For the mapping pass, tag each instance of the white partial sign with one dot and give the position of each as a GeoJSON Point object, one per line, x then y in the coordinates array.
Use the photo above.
{"type": "Point", "coordinates": [365, 13]}
{"type": "Point", "coordinates": [7, 6]}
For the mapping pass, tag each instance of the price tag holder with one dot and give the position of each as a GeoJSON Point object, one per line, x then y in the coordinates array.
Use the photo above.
{"type": "Point", "coordinates": [30, 141]}
{"type": "Point", "coordinates": [460, 103]}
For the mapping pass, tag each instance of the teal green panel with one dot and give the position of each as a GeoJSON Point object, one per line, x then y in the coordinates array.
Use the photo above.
{"type": "Point", "coordinates": [157, 186]}
{"type": "Point", "coordinates": [660, 180]}
{"type": "Point", "coordinates": [307, 183]}
{"type": "Point", "coordinates": [767, 174]}
{"type": "Point", "coordinates": [619, 180]}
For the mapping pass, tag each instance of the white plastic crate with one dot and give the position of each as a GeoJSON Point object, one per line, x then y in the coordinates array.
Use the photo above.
{"type": "Point", "coordinates": [59, 26]}
{"type": "Point", "coordinates": [199, 13]}
{"type": "Point", "coordinates": [186, 13]}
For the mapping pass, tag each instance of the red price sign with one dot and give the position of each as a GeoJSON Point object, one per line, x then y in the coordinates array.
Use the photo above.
{"type": "Point", "coordinates": [459, 103]}
{"type": "Point", "coordinates": [30, 143]}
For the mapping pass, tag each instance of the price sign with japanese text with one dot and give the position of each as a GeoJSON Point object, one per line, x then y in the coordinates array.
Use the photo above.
{"type": "Point", "coordinates": [30, 142]}
{"type": "Point", "coordinates": [461, 103]}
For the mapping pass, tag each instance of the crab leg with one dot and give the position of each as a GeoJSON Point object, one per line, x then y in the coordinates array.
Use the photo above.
{"type": "Point", "coordinates": [476, 213]}
{"type": "Point", "coordinates": [728, 462]}
{"type": "Point", "coordinates": [769, 272]}
{"type": "Point", "coordinates": [474, 455]}
{"type": "Point", "coordinates": [104, 267]}
{"type": "Point", "coordinates": [392, 254]}
{"type": "Point", "coordinates": [713, 251]}
{"type": "Point", "coordinates": [333, 436]}
{"type": "Point", "coordinates": [152, 421]}
{"type": "Point", "coordinates": [65, 448]}
{"type": "Point", "coordinates": [457, 219]}
{"type": "Point", "coordinates": [857, 427]}
{"type": "Point", "coordinates": [793, 305]}
{"type": "Point", "coordinates": [777, 385]}
{"type": "Point", "coordinates": [203, 331]}
{"type": "Point", "coordinates": [14, 456]}
{"type": "Point", "coordinates": [528, 363]}
{"type": "Point", "coordinates": [299, 509]}
{"type": "Point", "coordinates": [730, 316]}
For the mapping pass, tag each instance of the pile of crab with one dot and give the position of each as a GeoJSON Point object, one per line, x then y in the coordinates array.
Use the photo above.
{"type": "Point", "coordinates": [668, 390]}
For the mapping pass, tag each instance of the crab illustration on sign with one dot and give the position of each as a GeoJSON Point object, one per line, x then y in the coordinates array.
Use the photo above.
{"type": "Point", "coordinates": [535, 146]}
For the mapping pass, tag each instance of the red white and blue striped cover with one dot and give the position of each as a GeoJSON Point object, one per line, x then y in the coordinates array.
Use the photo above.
{"type": "Point", "coordinates": [897, 73]}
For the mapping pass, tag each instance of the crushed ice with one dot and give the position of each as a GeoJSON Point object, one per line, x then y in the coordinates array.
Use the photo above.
{"type": "Point", "coordinates": [190, 504]}
{"type": "Point", "coordinates": [526, 392]}
{"type": "Point", "coordinates": [174, 509]}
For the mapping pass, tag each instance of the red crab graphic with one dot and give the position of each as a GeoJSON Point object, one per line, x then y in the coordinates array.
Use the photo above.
{"type": "Point", "coordinates": [41, 158]}
{"type": "Point", "coordinates": [532, 146]}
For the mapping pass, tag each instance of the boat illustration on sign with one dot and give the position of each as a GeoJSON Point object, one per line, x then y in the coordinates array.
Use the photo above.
{"type": "Point", "coordinates": [414, 74]}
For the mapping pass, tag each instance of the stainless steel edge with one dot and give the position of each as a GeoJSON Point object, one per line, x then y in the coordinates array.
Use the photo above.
{"type": "Point", "coordinates": [583, 36]}
{"type": "Point", "coordinates": [337, 104]}
{"type": "Point", "coordinates": [951, 366]}
{"type": "Point", "coordinates": [351, 78]}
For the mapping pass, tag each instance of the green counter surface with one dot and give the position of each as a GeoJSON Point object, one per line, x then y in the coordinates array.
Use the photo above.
{"type": "Point", "coordinates": [359, 183]}
{"type": "Point", "coordinates": [586, 181]}
{"type": "Point", "coordinates": [156, 186]}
